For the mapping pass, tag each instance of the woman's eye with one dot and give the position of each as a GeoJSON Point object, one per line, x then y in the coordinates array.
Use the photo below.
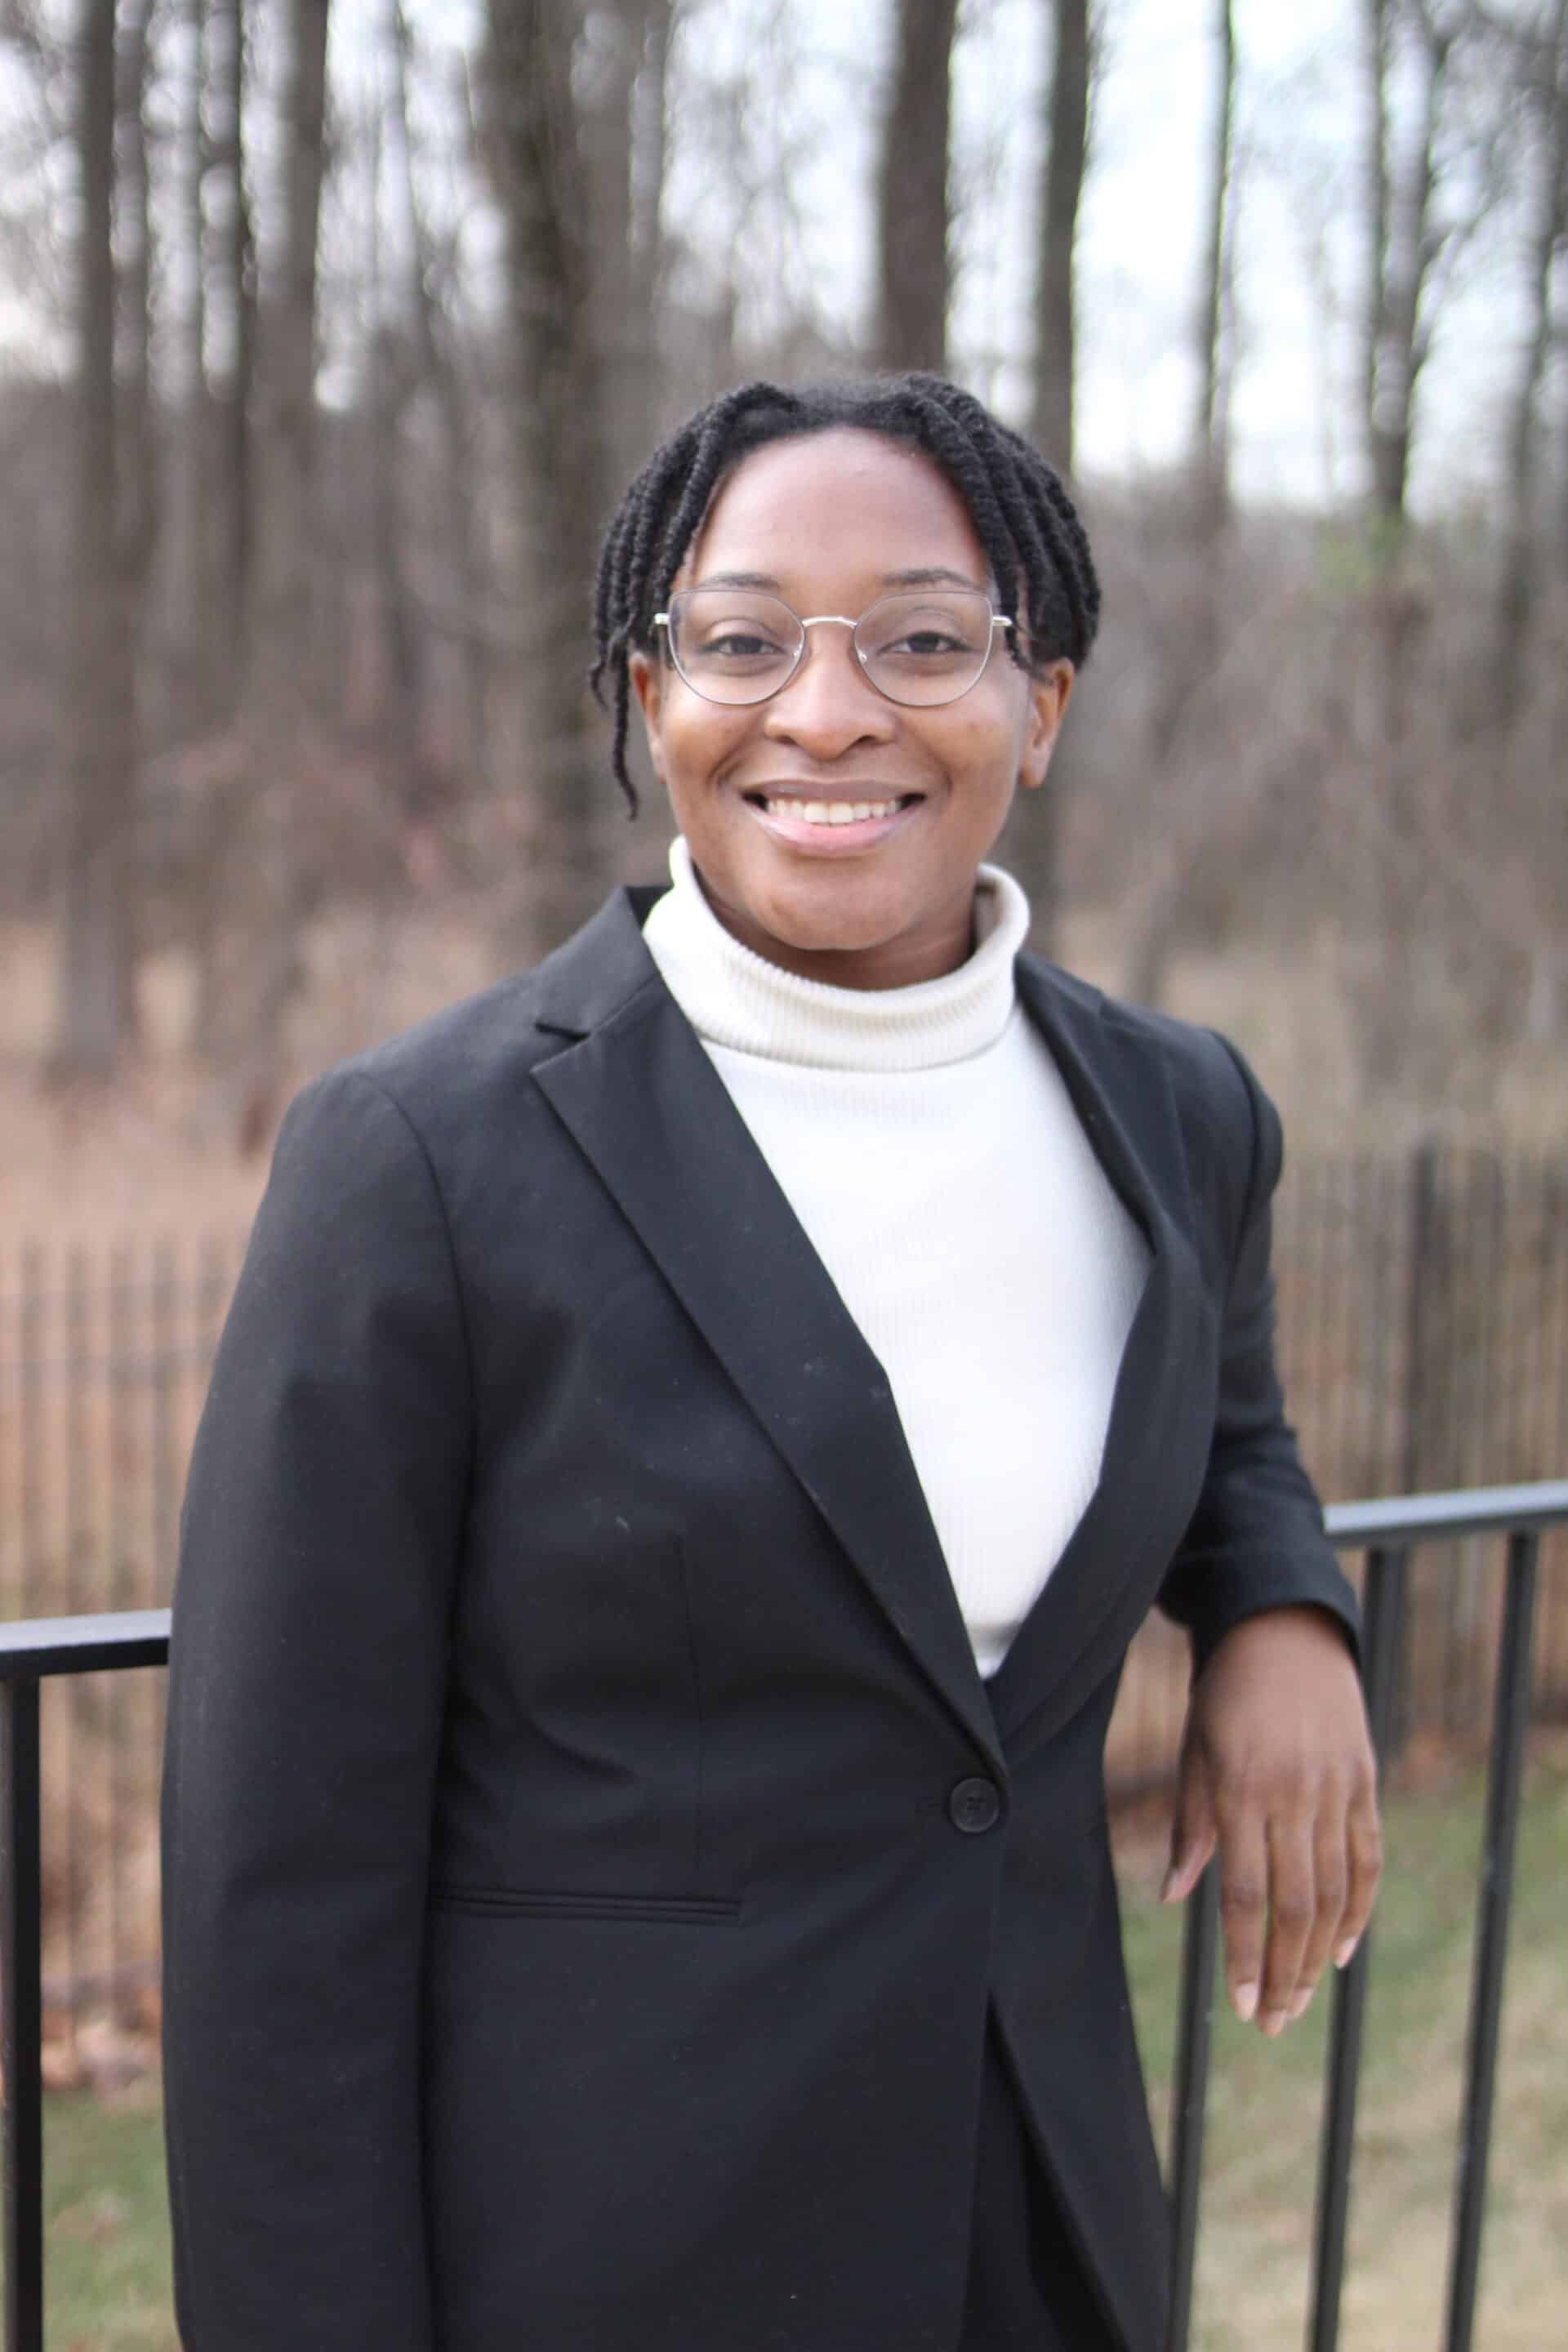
{"type": "Point", "coordinates": [925, 632]}
{"type": "Point", "coordinates": [738, 646]}
{"type": "Point", "coordinates": [925, 641]}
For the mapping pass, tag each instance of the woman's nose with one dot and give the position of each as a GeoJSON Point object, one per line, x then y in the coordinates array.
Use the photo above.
{"type": "Point", "coordinates": [829, 705]}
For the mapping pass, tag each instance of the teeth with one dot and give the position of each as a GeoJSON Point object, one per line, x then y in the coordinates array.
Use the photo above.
{"type": "Point", "coordinates": [830, 812]}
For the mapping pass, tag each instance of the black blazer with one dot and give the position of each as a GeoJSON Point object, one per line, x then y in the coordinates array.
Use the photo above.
{"type": "Point", "coordinates": [591, 1849]}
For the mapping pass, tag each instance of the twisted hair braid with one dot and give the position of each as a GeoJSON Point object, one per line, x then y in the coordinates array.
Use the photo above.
{"type": "Point", "coordinates": [1037, 546]}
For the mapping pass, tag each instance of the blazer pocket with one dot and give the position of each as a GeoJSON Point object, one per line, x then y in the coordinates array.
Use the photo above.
{"type": "Point", "coordinates": [527, 1903]}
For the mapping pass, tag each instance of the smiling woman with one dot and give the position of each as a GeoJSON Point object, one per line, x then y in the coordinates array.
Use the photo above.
{"type": "Point", "coordinates": [766, 786]}
{"type": "Point", "coordinates": [697, 1431]}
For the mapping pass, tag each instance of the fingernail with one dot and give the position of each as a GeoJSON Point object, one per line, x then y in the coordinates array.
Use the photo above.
{"type": "Point", "coordinates": [1345, 1953]}
{"type": "Point", "coordinates": [1168, 1885]}
{"type": "Point", "coordinates": [1300, 2003]}
{"type": "Point", "coordinates": [1275, 2022]}
{"type": "Point", "coordinates": [1247, 2002]}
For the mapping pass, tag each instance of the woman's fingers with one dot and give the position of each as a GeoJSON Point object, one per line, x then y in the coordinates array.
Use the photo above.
{"type": "Point", "coordinates": [1330, 1879]}
{"type": "Point", "coordinates": [1364, 1842]}
{"type": "Point", "coordinates": [1292, 1918]}
{"type": "Point", "coordinates": [1193, 1832]}
{"type": "Point", "coordinates": [1298, 1879]}
{"type": "Point", "coordinates": [1243, 1902]}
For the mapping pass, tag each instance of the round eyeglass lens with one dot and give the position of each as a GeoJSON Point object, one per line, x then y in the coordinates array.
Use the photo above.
{"type": "Point", "coordinates": [927, 646]}
{"type": "Point", "coordinates": [734, 645]}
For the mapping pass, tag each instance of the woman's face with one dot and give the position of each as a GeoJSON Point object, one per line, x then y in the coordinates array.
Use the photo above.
{"type": "Point", "coordinates": [829, 522]}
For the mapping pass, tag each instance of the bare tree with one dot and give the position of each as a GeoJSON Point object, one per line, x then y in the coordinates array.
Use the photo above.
{"type": "Point", "coordinates": [1542, 60]}
{"type": "Point", "coordinates": [914, 266]}
{"type": "Point", "coordinates": [1052, 420]}
{"type": "Point", "coordinates": [232, 310]}
{"type": "Point", "coordinates": [556, 434]}
{"type": "Point", "coordinates": [96, 1013]}
{"type": "Point", "coordinates": [188, 471]}
{"type": "Point", "coordinates": [462, 607]}
{"type": "Point", "coordinates": [622, 107]}
{"type": "Point", "coordinates": [1402, 245]}
{"type": "Point", "coordinates": [650, 142]}
{"type": "Point", "coordinates": [259, 882]}
{"type": "Point", "coordinates": [1186, 538]}
{"type": "Point", "coordinates": [397, 666]}
{"type": "Point", "coordinates": [1408, 238]}
{"type": "Point", "coordinates": [1214, 339]}
{"type": "Point", "coordinates": [134, 328]}
{"type": "Point", "coordinates": [279, 636]}
{"type": "Point", "coordinates": [1062, 177]}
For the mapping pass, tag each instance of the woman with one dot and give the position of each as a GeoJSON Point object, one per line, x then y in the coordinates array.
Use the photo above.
{"type": "Point", "coordinates": [697, 1429]}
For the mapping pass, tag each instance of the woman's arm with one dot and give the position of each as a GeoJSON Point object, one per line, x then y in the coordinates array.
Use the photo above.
{"type": "Point", "coordinates": [321, 1533]}
{"type": "Point", "coordinates": [1276, 1766]}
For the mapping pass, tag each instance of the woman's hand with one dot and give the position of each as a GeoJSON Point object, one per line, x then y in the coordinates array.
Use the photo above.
{"type": "Point", "coordinates": [1278, 1771]}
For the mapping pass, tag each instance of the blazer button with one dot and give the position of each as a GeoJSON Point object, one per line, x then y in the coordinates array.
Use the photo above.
{"type": "Point", "coordinates": [975, 1806]}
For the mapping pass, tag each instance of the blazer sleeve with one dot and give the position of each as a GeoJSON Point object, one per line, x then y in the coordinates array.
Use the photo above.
{"type": "Point", "coordinates": [1255, 1539]}
{"type": "Point", "coordinates": [319, 1538]}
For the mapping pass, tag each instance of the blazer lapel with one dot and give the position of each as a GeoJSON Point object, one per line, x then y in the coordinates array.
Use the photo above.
{"type": "Point", "coordinates": [637, 1090]}
{"type": "Point", "coordinates": [1157, 1448]}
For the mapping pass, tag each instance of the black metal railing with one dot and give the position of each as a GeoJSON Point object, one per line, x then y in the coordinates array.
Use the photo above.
{"type": "Point", "coordinates": [28, 1652]}
{"type": "Point", "coordinates": [1385, 1531]}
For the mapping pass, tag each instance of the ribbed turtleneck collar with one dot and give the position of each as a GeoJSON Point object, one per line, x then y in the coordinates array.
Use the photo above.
{"type": "Point", "coordinates": [734, 998]}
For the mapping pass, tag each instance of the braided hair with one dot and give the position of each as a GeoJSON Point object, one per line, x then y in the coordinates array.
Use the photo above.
{"type": "Point", "coordinates": [1023, 517]}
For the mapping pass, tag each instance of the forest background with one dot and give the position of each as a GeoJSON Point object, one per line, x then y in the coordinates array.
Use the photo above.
{"type": "Point", "coordinates": [329, 334]}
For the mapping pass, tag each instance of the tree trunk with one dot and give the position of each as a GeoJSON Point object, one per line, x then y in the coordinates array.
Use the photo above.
{"type": "Point", "coordinates": [137, 454]}
{"type": "Point", "coordinates": [232, 302]}
{"type": "Point", "coordinates": [1377, 38]}
{"type": "Point", "coordinates": [398, 711]}
{"type": "Point", "coordinates": [278, 651]}
{"type": "Point", "coordinates": [1401, 249]}
{"type": "Point", "coordinates": [1548, 107]}
{"type": "Point", "coordinates": [188, 473]}
{"type": "Point", "coordinates": [1066, 149]}
{"type": "Point", "coordinates": [621, 275]}
{"type": "Point", "coordinates": [261, 877]}
{"type": "Point", "coordinates": [558, 466]}
{"type": "Point", "coordinates": [650, 143]}
{"type": "Point", "coordinates": [95, 1007]}
{"type": "Point", "coordinates": [1051, 420]}
{"type": "Point", "coordinates": [914, 269]}
{"type": "Point", "coordinates": [438, 366]}
{"type": "Point", "coordinates": [1210, 428]}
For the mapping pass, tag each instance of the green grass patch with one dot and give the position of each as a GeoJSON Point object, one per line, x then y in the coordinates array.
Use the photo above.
{"type": "Point", "coordinates": [106, 2224]}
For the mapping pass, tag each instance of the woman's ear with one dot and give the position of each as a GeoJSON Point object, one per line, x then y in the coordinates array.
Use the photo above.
{"type": "Point", "coordinates": [647, 684]}
{"type": "Point", "coordinates": [1049, 692]}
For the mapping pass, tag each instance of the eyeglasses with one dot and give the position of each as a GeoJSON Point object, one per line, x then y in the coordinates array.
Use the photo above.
{"type": "Point", "coordinates": [923, 646]}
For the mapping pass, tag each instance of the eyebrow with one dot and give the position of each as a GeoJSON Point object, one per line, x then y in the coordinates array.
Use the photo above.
{"type": "Point", "coordinates": [934, 575]}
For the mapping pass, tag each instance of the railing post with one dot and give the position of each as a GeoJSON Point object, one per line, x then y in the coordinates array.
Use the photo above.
{"type": "Point", "coordinates": [21, 2016]}
{"type": "Point", "coordinates": [1200, 1944]}
{"type": "Point", "coordinates": [1510, 1717]}
{"type": "Point", "coordinates": [1382, 1615]}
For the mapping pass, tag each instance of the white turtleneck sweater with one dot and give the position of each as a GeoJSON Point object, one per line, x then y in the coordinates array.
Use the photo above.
{"type": "Point", "coordinates": [926, 1142]}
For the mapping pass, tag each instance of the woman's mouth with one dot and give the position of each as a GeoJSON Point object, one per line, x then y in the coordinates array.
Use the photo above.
{"type": "Point", "coordinates": [841, 823]}
{"type": "Point", "coordinates": [830, 812]}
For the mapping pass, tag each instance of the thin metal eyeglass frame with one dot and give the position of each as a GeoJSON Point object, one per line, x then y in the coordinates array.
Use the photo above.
{"type": "Point", "coordinates": [841, 620]}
